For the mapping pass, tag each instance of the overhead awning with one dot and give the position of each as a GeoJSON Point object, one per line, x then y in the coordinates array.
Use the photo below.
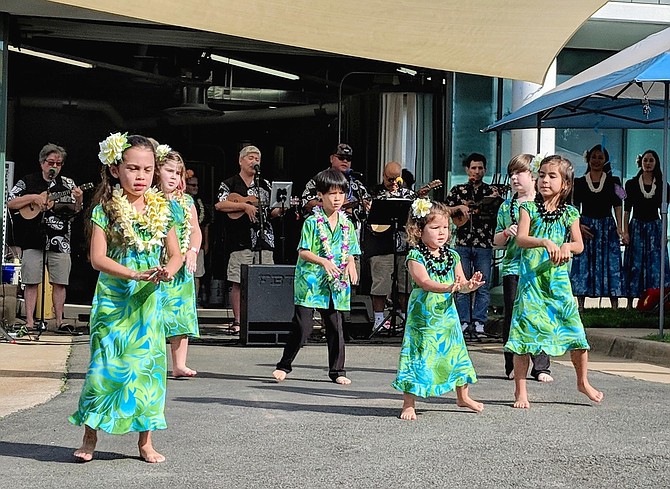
{"type": "Point", "coordinates": [515, 39]}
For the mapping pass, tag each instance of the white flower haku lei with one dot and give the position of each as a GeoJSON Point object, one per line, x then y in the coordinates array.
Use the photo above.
{"type": "Point", "coordinates": [153, 221]}
{"type": "Point", "coordinates": [111, 149]}
{"type": "Point", "coordinates": [421, 208]}
{"type": "Point", "coordinates": [535, 163]}
{"type": "Point", "coordinates": [162, 151]}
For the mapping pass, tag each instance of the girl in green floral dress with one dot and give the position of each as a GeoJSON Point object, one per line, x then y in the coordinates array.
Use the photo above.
{"type": "Point", "coordinates": [545, 317]}
{"type": "Point", "coordinates": [124, 389]}
{"type": "Point", "coordinates": [179, 310]}
{"type": "Point", "coordinates": [434, 358]}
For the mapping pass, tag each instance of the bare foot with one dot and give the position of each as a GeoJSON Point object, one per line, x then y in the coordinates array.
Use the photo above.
{"type": "Point", "coordinates": [85, 452]}
{"type": "Point", "coordinates": [408, 413]}
{"type": "Point", "coordinates": [544, 377]}
{"type": "Point", "coordinates": [510, 375]}
{"type": "Point", "coordinates": [342, 380]}
{"type": "Point", "coordinates": [183, 372]}
{"type": "Point", "coordinates": [589, 391]}
{"type": "Point", "coordinates": [150, 455]}
{"type": "Point", "coordinates": [279, 375]}
{"type": "Point", "coordinates": [469, 403]}
{"type": "Point", "coordinates": [521, 400]}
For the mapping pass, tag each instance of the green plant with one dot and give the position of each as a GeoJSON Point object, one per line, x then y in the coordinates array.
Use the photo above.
{"type": "Point", "coordinates": [619, 318]}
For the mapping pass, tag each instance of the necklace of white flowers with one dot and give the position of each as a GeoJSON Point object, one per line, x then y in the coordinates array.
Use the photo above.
{"type": "Point", "coordinates": [645, 194]}
{"type": "Point", "coordinates": [185, 227]}
{"type": "Point", "coordinates": [152, 222]}
{"type": "Point", "coordinates": [341, 281]}
{"type": "Point", "coordinates": [589, 183]}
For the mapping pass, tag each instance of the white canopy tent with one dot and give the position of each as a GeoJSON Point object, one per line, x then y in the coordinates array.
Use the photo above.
{"type": "Point", "coordinates": [515, 39]}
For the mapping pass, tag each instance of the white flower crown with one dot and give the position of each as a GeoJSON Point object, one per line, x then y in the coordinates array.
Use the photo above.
{"type": "Point", "coordinates": [111, 149]}
{"type": "Point", "coordinates": [421, 208]}
{"type": "Point", "coordinates": [162, 151]}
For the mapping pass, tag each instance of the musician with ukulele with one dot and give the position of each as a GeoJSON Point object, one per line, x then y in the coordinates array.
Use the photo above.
{"type": "Point", "coordinates": [244, 239]}
{"type": "Point", "coordinates": [30, 197]}
{"type": "Point", "coordinates": [380, 243]}
{"type": "Point", "coordinates": [474, 239]}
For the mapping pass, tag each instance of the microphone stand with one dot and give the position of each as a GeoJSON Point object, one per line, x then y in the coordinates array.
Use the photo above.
{"type": "Point", "coordinates": [261, 214]}
{"type": "Point", "coordinates": [281, 196]}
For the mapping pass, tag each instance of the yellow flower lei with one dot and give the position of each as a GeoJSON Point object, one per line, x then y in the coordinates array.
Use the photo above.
{"type": "Point", "coordinates": [153, 221]}
{"type": "Point", "coordinates": [185, 227]}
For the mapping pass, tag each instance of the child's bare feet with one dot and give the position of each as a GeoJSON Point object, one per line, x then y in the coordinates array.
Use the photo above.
{"type": "Point", "coordinates": [589, 391]}
{"type": "Point", "coordinates": [342, 380]}
{"type": "Point", "coordinates": [469, 403]}
{"type": "Point", "coordinates": [85, 452]}
{"type": "Point", "coordinates": [183, 372]}
{"type": "Point", "coordinates": [150, 455]}
{"type": "Point", "coordinates": [279, 375]}
{"type": "Point", "coordinates": [545, 377]}
{"type": "Point", "coordinates": [521, 399]}
{"type": "Point", "coordinates": [408, 412]}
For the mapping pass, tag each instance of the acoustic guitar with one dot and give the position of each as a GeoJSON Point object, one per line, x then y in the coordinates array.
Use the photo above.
{"type": "Point", "coordinates": [382, 228]}
{"type": "Point", "coordinates": [30, 211]}
{"type": "Point", "coordinates": [488, 206]}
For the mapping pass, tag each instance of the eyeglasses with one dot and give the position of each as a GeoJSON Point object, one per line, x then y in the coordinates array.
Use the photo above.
{"type": "Point", "coordinates": [54, 162]}
{"type": "Point", "coordinates": [391, 179]}
{"type": "Point", "coordinates": [343, 158]}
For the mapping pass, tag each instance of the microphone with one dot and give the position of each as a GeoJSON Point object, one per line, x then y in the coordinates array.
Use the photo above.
{"type": "Point", "coordinates": [353, 174]}
{"type": "Point", "coordinates": [257, 168]}
{"type": "Point", "coordinates": [52, 173]}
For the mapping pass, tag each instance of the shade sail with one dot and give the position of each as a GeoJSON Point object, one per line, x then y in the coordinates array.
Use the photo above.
{"type": "Point", "coordinates": [515, 39]}
{"type": "Point", "coordinates": [624, 91]}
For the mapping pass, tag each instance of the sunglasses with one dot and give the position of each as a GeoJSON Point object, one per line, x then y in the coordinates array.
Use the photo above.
{"type": "Point", "coordinates": [343, 158]}
{"type": "Point", "coordinates": [53, 163]}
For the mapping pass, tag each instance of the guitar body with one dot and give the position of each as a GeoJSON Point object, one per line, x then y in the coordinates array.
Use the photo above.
{"type": "Point", "coordinates": [382, 228]}
{"type": "Point", "coordinates": [31, 211]}
{"type": "Point", "coordinates": [240, 199]}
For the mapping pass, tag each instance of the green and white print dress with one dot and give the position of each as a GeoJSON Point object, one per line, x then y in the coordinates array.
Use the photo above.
{"type": "Point", "coordinates": [124, 389]}
{"type": "Point", "coordinates": [433, 357]}
{"type": "Point", "coordinates": [545, 316]}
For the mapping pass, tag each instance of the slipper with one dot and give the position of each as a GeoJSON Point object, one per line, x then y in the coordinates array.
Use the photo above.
{"type": "Point", "coordinates": [67, 329]}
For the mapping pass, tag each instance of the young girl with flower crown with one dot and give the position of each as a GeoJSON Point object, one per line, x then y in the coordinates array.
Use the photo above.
{"type": "Point", "coordinates": [323, 276]}
{"type": "Point", "coordinates": [545, 317]}
{"type": "Point", "coordinates": [433, 357]}
{"type": "Point", "coordinates": [124, 389]}
{"type": "Point", "coordinates": [179, 310]}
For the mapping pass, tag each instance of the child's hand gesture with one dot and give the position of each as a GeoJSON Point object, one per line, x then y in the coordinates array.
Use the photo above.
{"type": "Point", "coordinates": [456, 286]}
{"type": "Point", "coordinates": [475, 281]}
{"type": "Point", "coordinates": [353, 274]}
{"type": "Point", "coordinates": [330, 268]}
{"type": "Point", "coordinates": [565, 254]}
{"type": "Point", "coordinates": [553, 250]}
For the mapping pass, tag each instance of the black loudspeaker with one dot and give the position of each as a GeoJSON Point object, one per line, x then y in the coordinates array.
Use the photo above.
{"type": "Point", "coordinates": [266, 304]}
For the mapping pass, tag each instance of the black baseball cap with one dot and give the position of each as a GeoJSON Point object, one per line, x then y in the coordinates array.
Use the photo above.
{"type": "Point", "coordinates": [344, 150]}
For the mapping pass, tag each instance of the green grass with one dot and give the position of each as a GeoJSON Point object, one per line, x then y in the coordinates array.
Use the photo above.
{"type": "Point", "coordinates": [656, 337]}
{"type": "Point", "coordinates": [620, 318]}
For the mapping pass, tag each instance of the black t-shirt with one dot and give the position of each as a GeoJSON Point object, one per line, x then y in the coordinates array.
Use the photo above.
{"type": "Point", "coordinates": [241, 233]}
{"type": "Point", "coordinates": [30, 234]}
{"type": "Point", "coordinates": [596, 205]}
{"type": "Point", "coordinates": [643, 209]}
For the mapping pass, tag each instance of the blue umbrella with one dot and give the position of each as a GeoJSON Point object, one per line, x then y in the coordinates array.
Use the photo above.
{"type": "Point", "coordinates": [630, 89]}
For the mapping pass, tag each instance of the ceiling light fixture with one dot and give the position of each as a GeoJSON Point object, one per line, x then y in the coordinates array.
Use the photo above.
{"type": "Point", "coordinates": [51, 57]}
{"type": "Point", "coordinates": [407, 71]}
{"type": "Point", "coordinates": [249, 66]}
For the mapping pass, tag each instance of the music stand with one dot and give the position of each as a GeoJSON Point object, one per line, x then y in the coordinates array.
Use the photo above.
{"type": "Point", "coordinates": [279, 194]}
{"type": "Point", "coordinates": [390, 212]}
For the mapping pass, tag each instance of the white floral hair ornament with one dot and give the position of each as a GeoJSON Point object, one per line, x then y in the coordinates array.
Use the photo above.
{"type": "Point", "coordinates": [421, 208]}
{"type": "Point", "coordinates": [535, 163]}
{"type": "Point", "coordinates": [111, 149]}
{"type": "Point", "coordinates": [162, 151]}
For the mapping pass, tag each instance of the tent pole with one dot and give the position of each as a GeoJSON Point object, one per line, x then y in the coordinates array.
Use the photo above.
{"type": "Point", "coordinates": [664, 207]}
{"type": "Point", "coordinates": [539, 134]}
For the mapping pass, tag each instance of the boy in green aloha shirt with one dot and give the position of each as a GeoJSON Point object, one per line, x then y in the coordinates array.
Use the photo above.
{"type": "Point", "coordinates": [323, 276]}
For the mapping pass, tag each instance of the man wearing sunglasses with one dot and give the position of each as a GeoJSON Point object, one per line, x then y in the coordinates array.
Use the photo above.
{"type": "Point", "coordinates": [46, 229]}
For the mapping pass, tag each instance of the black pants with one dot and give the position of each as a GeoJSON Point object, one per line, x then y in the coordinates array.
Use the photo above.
{"type": "Point", "coordinates": [303, 325]}
{"type": "Point", "coordinates": [541, 361]}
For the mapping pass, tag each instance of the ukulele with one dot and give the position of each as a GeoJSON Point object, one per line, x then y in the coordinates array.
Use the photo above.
{"type": "Point", "coordinates": [30, 211]}
{"type": "Point", "coordinates": [240, 199]}
{"type": "Point", "coordinates": [488, 206]}
{"type": "Point", "coordinates": [382, 228]}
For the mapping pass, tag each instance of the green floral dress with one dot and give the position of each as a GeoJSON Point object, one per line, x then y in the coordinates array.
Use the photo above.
{"type": "Point", "coordinates": [179, 309]}
{"type": "Point", "coordinates": [433, 357]}
{"type": "Point", "coordinates": [545, 316]}
{"type": "Point", "coordinates": [124, 388]}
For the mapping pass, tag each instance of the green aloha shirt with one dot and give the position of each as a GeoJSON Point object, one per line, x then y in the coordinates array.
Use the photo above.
{"type": "Point", "coordinates": [312, 287]}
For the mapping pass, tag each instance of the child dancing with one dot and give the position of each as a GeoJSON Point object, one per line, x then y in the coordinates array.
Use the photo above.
{"type": "Point", "coordinates": [522, 178]}
{"type": "Point", "coordinates": [179, 309]}
{"type": "Point", "coordinates": [434, 358]}
{"type": "Point", "coordinates": [124, 389]}
{"type": "Point", "coordinates": [323, 276]}
{"type": "Point", "coordinates": [545, 317]}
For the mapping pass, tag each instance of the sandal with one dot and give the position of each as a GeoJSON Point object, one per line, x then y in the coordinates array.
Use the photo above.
{"type": "Point", "coordinates": [67, 329]}
{"type": "Point", "coordinates": [234, 328]}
